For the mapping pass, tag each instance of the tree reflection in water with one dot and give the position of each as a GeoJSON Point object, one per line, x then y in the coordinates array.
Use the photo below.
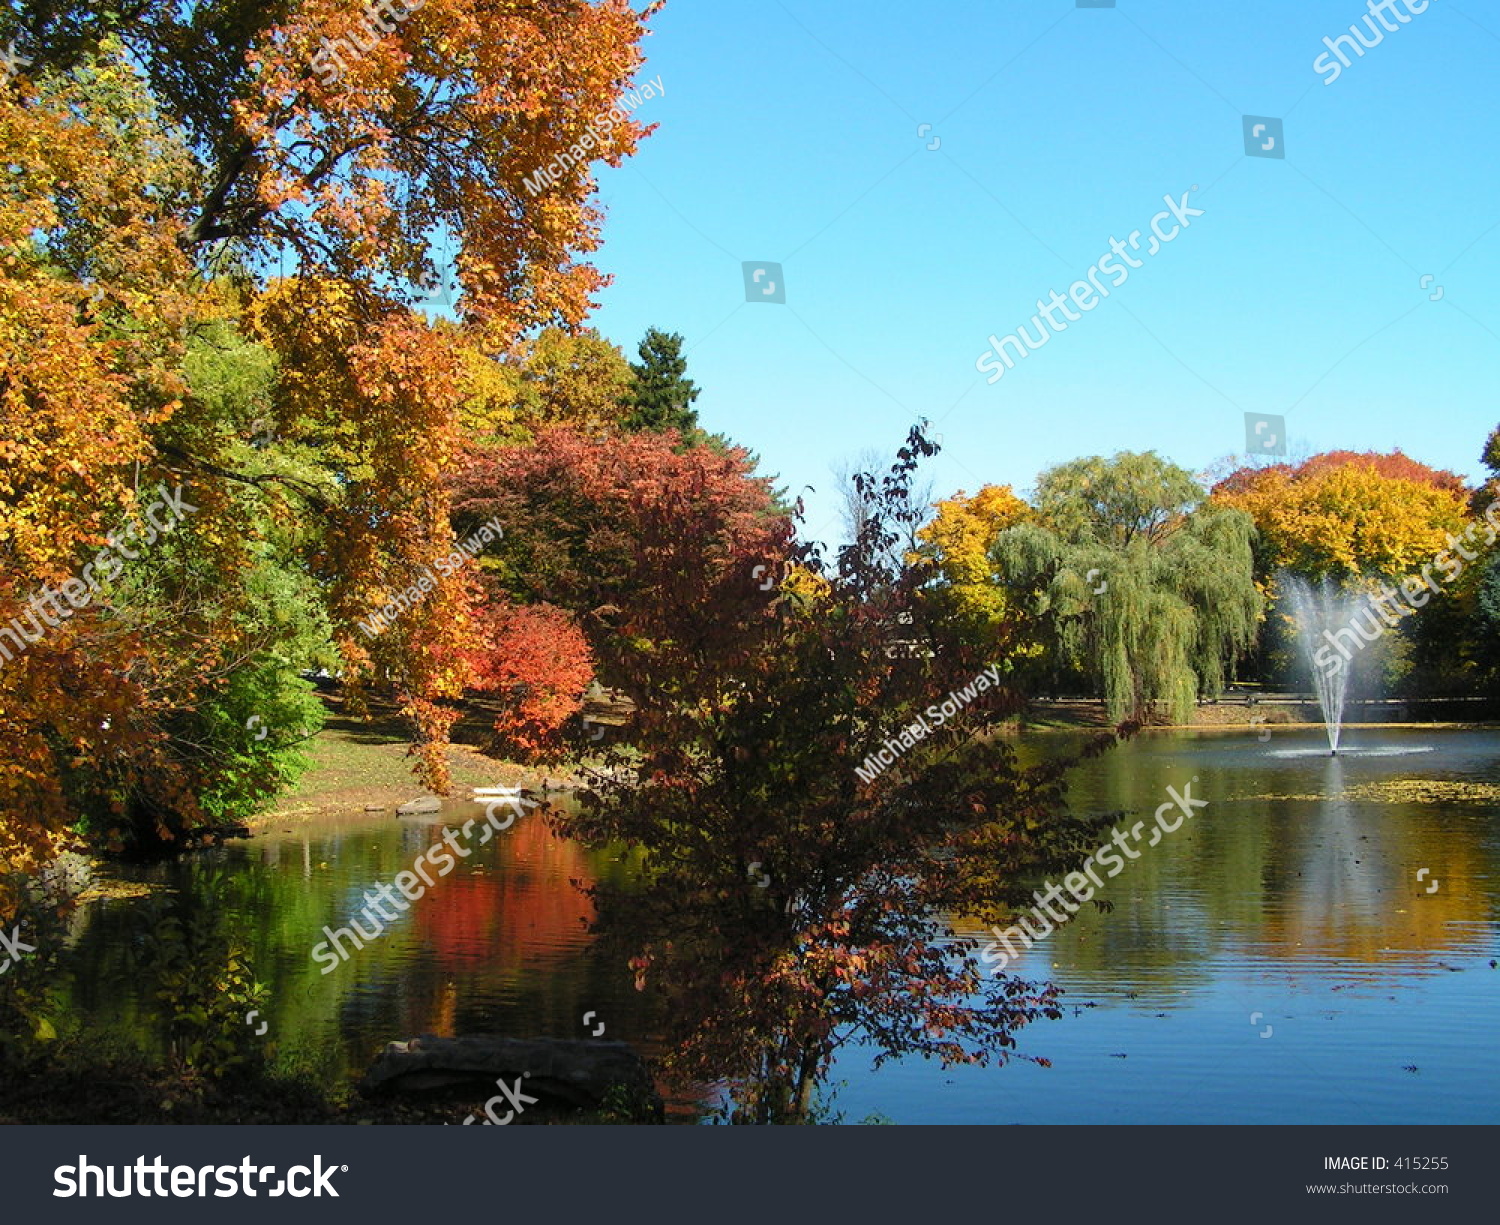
{"type": "Point", "coordinates": [791, 908]}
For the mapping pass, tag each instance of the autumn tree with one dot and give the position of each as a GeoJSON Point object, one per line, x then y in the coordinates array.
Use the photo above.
{"type": "Point", "coordinates": [162, 152]}
{"type": "Point", "coordinates": [656, 550]}
{"type": "Point", "coordinates": [1353, 519]}
{"type": "Point", "coordinates": [1343, 515]}
{"type": "Point", "coordinates": [353, 148]}
{"type": "Point", "coordinates": [1395, 465]}
{"type": "Point", "coordinates": [796, 905]}
{"type": "Point", "coordinates": [94, 302]}
{"type": "Point", "coordinates": [570, 380]}
{"type": "Point", "coordinates": [1454, 645]}
{"type": "Point", "coordinates": [536, 662]}
{"type": "Point", "coordinates": [959, 540]}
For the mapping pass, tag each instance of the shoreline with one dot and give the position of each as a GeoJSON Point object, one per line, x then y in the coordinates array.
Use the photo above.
{"type": "Point", "coordinates": [1476, 726]}
{"type": "Point", "coordinates": [354, 771]}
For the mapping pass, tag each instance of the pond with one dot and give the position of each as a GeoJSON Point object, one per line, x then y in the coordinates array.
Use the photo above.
{"type": "Point", "coordinates": [1316, 946]}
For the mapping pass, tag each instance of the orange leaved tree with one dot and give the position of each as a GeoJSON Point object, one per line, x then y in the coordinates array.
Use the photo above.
{"type": "Point", "coordinates": [191, 181]}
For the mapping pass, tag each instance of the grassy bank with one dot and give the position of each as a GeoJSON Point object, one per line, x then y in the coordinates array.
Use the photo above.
{"type": "Point", "coordinates": [365, 764]}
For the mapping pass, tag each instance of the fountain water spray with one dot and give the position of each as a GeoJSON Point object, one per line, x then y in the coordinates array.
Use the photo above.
{"type": "Point", "coordinates": [1319, 612]}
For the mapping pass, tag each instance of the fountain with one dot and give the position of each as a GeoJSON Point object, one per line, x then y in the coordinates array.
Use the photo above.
{"type": "Point", "coordinates": [1323, 614]}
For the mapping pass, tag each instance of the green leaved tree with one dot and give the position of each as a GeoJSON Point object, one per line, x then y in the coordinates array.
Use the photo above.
{"type": "Point", "coordinates": [662, 395]}
{"type": "Point", "coordinates": [1140, 585]}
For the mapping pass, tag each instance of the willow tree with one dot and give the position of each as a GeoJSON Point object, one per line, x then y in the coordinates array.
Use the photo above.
{"type": "Point", "coordinates": [1139, 584]}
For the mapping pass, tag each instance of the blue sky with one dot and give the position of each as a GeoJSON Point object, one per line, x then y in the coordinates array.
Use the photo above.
{"type": "Point", "coordinates": [790, 132]}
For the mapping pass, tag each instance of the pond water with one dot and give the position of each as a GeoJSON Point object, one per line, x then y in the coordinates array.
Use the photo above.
{"type": "Point", "coordinates": [1312, 947]}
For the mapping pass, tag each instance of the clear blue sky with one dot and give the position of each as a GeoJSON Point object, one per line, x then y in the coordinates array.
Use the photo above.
{"type": "Point", "coordinates": [789, 132]}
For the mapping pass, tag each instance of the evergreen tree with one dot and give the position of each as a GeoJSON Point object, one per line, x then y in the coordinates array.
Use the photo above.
{"type": "Point", "coordinates": [662, 396]}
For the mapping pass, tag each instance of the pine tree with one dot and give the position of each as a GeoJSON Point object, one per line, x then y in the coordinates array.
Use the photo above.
{"type": "Point", "coordinates": [662, 396]}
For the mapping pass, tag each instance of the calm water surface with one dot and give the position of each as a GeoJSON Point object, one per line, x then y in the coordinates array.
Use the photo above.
{"type": "Point", "coordinates": [1276, 959]}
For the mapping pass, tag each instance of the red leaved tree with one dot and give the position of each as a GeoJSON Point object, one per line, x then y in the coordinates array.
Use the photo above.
{"type": "Point", "coordinates": [536, 661]}
{"type": "Point", "coordinates": [795, 903]}
{"type": "Point", "coordinates": [664, 556]}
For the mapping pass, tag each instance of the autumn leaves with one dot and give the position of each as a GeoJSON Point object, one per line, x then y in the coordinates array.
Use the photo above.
{"type": "Point", "coordinates": [206, 250]}
{"type": "Point", "coordinates": [408, 599]}
{"type": "Point", "coordinates": [327, 62]}
{"type": "Point", "coordinates": [80, 592]}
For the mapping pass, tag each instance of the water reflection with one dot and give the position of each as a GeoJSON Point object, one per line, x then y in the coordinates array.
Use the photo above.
{"type": "Point", "coordinates": [1296, 895]}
